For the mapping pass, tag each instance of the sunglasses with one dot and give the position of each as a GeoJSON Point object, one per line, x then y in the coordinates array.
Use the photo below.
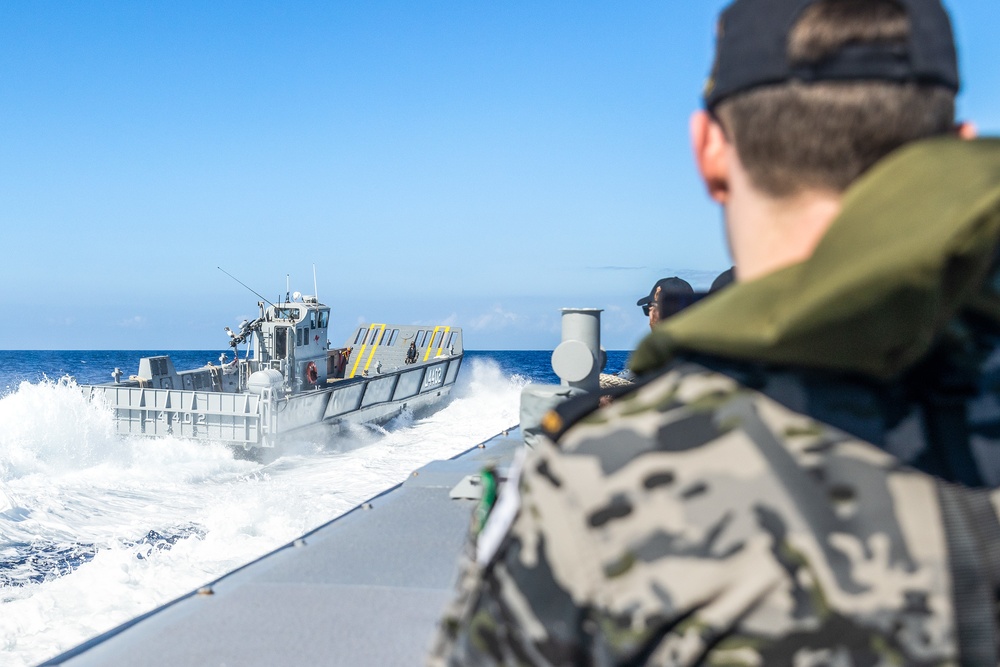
{"type": "Point", "coordinates": [675, 303]}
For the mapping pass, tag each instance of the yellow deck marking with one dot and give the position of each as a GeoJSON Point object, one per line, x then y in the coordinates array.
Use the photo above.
{"type": "Point", "coordinates": [427, 354]}
{"type": "Point", "coordinates": [378, 341]}
{"type": "Point", "coordinates": [361, 352]}
{"type": "Point", "coordinates": [444, 335]}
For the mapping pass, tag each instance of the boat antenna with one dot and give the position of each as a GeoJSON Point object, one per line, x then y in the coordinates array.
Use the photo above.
{"type": "Point", "coordinates": [288, 290]}
{"type": "Point", "coordinates": [315, 289]}
{"type": "Point", "coordinates": [244, 284]}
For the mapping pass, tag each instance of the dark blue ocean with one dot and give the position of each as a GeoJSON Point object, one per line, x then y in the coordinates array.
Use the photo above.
{"type": "Point", "coordinates": [94, 366]}
{"type": "Point", "coordinates": [96, 528]}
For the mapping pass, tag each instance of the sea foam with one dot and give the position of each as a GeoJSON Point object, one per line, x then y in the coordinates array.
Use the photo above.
{"type": "Point", "coordinates": [96, 529]}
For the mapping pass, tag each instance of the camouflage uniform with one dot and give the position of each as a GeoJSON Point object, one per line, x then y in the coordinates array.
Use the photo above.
{"type": "Point", "coordinates": [774, 492]}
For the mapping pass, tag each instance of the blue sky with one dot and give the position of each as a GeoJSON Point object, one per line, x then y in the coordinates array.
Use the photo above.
{"type": "Point", "coordinates": [479, 164]}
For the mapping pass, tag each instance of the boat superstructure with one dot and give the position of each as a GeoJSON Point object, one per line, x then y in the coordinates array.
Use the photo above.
{"type": "Point", "coordinates": [288, 379]}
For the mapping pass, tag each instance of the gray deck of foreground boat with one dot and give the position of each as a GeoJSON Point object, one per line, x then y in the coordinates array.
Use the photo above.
{"type": "Point", "coordinates": [365, 589]}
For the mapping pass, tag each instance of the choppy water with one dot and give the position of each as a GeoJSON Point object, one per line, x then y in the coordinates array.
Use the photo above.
{"type": "Point", "coordinates": [96, 529]}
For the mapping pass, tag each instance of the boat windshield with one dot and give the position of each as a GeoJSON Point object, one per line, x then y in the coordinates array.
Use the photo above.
{"type": "Point", "coordinates": [286, 313]}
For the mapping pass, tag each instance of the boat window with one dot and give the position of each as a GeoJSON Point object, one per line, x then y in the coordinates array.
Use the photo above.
{"type": "Point", "coordinates": [312, 319]}
{"type": "Point", "coordinates": [420, 338]}
{"type": "Point", "coordinates": [324, 319]}
{"type": "Point", "coordinates": [385, 336]}
{"type": "Point", "coordinates": [373, 336]}
{"type": "Point", "coordinates": [357, 339]}
{"type": "Point", "coordinates": [392, 338]}
{"type": "Point", "coordinates": [437, 339]}
{"type": "Point", "coordinates": [298, 337]}
{"type": "Point", "coordinates": [451, 339]}
{"type": "Point", "coordinates": [286, 313]}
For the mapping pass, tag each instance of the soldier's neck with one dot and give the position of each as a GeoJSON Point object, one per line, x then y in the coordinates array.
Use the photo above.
{"type": "Point", "coordinates": [768, 233]}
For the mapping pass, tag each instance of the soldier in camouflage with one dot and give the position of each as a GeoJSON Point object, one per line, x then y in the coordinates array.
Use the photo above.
{"type": "Point", "coordinates": [804, 474]}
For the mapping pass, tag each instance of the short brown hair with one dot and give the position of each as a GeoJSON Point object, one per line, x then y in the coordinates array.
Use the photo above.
{"type": "Point", "coordinates": [796, 136]}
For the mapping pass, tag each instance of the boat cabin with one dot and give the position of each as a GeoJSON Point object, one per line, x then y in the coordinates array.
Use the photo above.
{"type": "Point", "coordinates": [291, 338]}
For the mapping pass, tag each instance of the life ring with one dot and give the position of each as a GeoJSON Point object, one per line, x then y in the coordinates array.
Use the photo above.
{"type": "Point", "coordinates": [312, 373]}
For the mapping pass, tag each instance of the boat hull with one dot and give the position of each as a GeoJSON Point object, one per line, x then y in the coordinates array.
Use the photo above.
{"type": "Point", "coordinates": [263, 419]}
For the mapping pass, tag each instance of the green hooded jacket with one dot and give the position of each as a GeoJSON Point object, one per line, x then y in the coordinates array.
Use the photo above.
{"type": "Point", "coordinates": [914, 245]}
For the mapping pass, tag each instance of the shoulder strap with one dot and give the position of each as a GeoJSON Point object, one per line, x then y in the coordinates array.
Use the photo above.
{"type": "Point", "coordinates": [942, 385]}
{"type": "Point", "coordinates": [948, 452]}
{"type": "Point", "coordinates": [973, 535]}
{"type": "Point", "coordinates": [569, 412]}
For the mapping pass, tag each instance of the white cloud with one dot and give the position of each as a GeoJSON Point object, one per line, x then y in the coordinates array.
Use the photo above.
{"type": "Point", "coordinates": [550, 323]}
{"type": "Point", "coordinates": [134, 322]}
{"type": "Point", "coordinates": [495, 318]}
{"type": "Point", "coordinates": [629, 321]}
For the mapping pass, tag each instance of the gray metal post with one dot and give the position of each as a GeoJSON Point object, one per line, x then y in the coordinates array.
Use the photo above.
{"type": "Point", "coordinates": [579, 359]}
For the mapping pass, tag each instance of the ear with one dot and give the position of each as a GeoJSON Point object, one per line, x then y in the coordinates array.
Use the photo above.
{"type": "Point", "coordinates": [654, 313]}
{"type": "Point", "coordinates": [966, 130]}
{"type": "Point", "coordinates": [711, 153]}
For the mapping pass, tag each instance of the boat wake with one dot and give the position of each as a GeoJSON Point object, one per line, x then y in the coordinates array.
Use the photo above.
{"type": "Point", "coordinates": [96, 529]}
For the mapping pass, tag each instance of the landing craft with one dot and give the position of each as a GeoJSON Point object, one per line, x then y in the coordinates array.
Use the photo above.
{"type": "Point", "coordinates": [289, 380]}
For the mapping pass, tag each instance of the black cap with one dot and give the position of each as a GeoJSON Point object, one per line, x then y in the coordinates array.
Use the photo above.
{"type": "Point", "coordinates": [752, 46]}
{"type": "Point", "coordinates": [675, 284]}
{"type": "Point", "coordinates": [724, 279]}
